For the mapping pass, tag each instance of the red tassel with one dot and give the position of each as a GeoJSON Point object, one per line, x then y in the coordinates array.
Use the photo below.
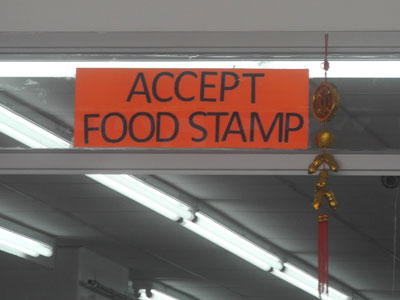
{"type": "Point", "coordinates": [323, 282]}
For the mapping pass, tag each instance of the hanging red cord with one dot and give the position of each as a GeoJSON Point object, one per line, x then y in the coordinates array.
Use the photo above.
{"type": "Point", "coordinates": [323, 281]}
{"type": "Point", "coordinates": [326, 63]}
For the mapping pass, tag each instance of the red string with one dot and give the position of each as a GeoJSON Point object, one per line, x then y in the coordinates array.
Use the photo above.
{"type": "Point", "coordinates": [326, 63]}
{"type": "Point", "coordinates": [323, 277]}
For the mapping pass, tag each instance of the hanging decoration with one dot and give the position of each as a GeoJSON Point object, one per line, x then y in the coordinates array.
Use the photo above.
{"type": "Point", "coordinates": [325, 100]}
{"type": "Point", "coordinates": [323, 254]}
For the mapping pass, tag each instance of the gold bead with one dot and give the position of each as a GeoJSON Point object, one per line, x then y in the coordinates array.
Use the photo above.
{"type": "Point", "coordinates": [324, 139]}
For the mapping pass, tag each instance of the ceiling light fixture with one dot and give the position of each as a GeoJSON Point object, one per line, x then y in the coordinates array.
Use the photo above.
{"type": "Point", "coordinates": [32, 135]}
{"type": "Point", "coordinates": [103, 290]}
{"type": "Point", "coordinates": [27, 132]}
{"type": "Point", "coordinates": [339, 68]}
{"type": "Point", "coordinates": [146, 195]}
{"type": "Point", "coordinates": [20, 245]}
{"type": "Point", "coordinates": [233, 242]}
{"type": "Point", "coordinates": [155, 295]}
{"type": "Point", "coordinates": [13, 251]}
{"type": "Point", "coordinates": [312, 281]}
{"type": "Point", "coordinates": [306, 282]}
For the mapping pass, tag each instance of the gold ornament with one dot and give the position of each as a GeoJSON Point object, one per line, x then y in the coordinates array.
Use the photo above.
{"type": "Point", "coordinates": [318, 160]}
{"type": "Point", "coordinates": [323, 218]}
{"type": "Point", "coordinates": [321, 192]}
{"type": "Point", "coordinates": [328, 158]}
{"type": "Point", "coordinates": [331, 199]}
{"type": "Point", "coordinates": [323, 158]}
{"type": "Point", "coordinates": [322, 179]}
{"type": "Point", "coordinates": [325, 100]}
{"type": "Point", "coordinates": [324, 139]}
{"type": "Point", "coordinates": [319, 195]}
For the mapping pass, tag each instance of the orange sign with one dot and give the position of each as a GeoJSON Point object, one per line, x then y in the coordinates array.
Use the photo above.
{"type": "Point", "coordinates": [191, 108]}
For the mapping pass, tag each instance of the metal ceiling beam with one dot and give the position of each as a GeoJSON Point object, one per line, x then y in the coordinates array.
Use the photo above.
{"type": "Point", "coordinates": [224, 162]}
{"type": "Point", "coordinates": [201, 44]}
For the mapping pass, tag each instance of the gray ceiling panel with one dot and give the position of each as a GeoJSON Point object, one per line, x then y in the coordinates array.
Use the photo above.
{"type": "Point", "coordinates": [268, 209]}
{"type": "Point", "coordinates": [86, 214]}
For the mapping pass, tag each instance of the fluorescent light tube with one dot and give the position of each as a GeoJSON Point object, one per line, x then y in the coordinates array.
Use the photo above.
{"type": "Point", "coordinates": [234, 243]}
{"type": "Point", "coordinates": [299, 274]}
{"type": "Point", "coordinates": [27, 132]}
{"type": "Point", "coordinates": [24, 244]}
{"type": "Point", "coordinates": [18, 248]}
{"type": "Point", "coordinates": [34, 136]}
{"type": "Point", "coordinates": [12, 251]}
{"type": "Point", "coordinates": [312, 281]}
{"type": "Point", "coordinates": [296, 282]}
{"type": "Point", "coordinates": [336, 295]}
{"type": "Point", "coordinates": [155, 295]}
{"type": "Point", "coordinates": [146, 195]}
{"type": "Point", "coordinates": [306, 282]}
{"type": "Point", "coordinates": [341, 68]}
{"type": "Point", "coordinates": [68, 68]}
{"type": "Point", "coordinates": [338, 68]}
